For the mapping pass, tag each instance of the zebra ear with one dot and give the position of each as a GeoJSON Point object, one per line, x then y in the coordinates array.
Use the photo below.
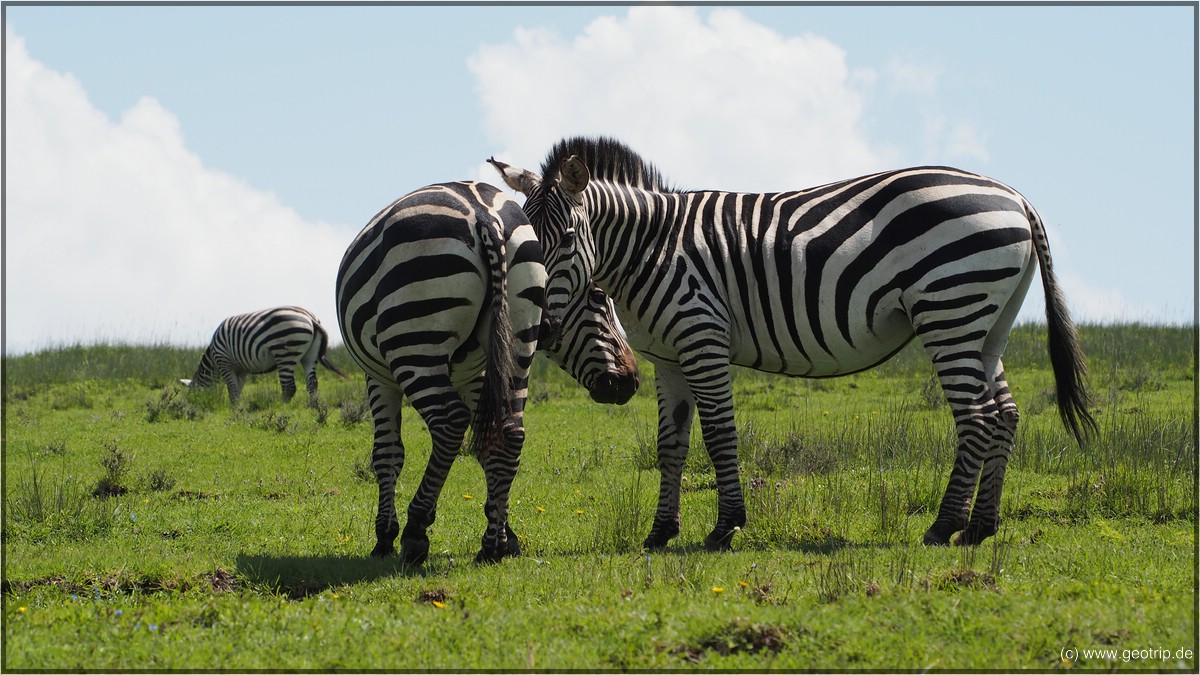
{"type": "Point", "coordinates": [575, 175]}
{"type": "Point", "coordinates": [518, 179]}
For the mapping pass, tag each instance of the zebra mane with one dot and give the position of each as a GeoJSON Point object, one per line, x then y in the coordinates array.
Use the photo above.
{"type": "Point", "coordinates": [607, 159]}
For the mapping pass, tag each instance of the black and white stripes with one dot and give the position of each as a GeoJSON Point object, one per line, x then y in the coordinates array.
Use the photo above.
{"type": "Point", "coordinates": [816, 283]}
{"type": "Point", "coordinates": [258, 342]}
{"type": "Point", "coordinates": [440, 300]}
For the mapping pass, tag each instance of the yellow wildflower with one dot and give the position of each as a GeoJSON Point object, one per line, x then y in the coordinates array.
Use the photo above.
{"type": "Point", "coordinates": [718, 589]}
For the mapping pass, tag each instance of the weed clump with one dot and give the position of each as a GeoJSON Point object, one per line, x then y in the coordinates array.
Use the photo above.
{"type": "Point", "coordinates": [354, 411]}
{"type": "Point", "coordinates": [116, 463]}
{"type": "Point", "coordinates": [739, 636]}
{"type": "Point", "coordinates": [44, 510]}
{"type": "Point", "coordinates": [170, 407]}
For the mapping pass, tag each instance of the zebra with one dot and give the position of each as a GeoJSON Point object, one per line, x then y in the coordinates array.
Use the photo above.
{"type": "Point", "coordinates": [821, 282]}
{"type": "Point", "coordinates": [442, 285]}
{"type": "Point", "coordinates": [258, 342]}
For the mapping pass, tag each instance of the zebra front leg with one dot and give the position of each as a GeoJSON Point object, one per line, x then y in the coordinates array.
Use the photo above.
{"type": "Point", "coordinates": [675, 410]}
{"type": "Point", "coordinates": [233, 382]}
{"type": "Point", "coordinates": [387, 459]}
{"type": "Point", "coordinates": [705, 366]}
{"type": "Point", "coordinates": [720, 440]}
{"type": "Point", "coordinates": [500, 468]}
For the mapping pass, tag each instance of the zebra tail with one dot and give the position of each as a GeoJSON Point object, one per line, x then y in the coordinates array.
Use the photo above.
{"type": "Point", "coordinates": [1066, 355]}
{"type": "Point", "coordinates": [322, 357]}
{"type": "Point", "coordinates": [495, 400]}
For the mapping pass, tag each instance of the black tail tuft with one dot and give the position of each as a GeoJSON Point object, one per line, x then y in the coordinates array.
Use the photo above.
{"type": "Point", "coordinates": [322, 357]}
{"type": "Point", "coordinates": [1066, 355]}
{"type": "Point", "coordinates": [495, 400]}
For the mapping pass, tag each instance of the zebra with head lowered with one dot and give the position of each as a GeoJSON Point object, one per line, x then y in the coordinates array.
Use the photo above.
{"type": "Point", "coordinates": [259, 342]}
{"type": "Point", "coordinates": [817, 283]}
{"type": "Point", "coordinates": [440, 299]}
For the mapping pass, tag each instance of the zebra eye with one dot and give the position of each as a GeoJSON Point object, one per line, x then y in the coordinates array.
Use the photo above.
{"type": "Point", "coordinates": [596, 296]}
{"type": "Point", "coordinates": [568, 240]}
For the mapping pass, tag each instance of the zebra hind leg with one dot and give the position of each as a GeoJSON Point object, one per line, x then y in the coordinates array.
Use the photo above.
{"type": "Point", "coordinates": [447, 418]}
{"type": "Point", "coordinates": [976, 420]}
{"type": "Point", "coordinates": [500, 468]}
{"type": "Point", "coordinates": [287, 381]}
{"type": "Point", "coordinates": [387, 459]}
{"type": "Point", "coordinates": [985, 516]}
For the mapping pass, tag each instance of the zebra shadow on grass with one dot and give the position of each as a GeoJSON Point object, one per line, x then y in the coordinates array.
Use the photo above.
{"type": "Point", "coordinates": [297, 577]}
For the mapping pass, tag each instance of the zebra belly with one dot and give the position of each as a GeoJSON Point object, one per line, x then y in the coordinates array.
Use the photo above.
{"type": "Point", "coordinates": [890, 333]}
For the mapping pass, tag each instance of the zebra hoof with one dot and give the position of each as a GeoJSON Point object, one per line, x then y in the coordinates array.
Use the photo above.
{"type": "Point", "coordinates": [719, 540]}
{"type": "Point", "coordinates": [513, 548]}
{"type": "Point", "coordinates": [659, 536]}
{"type": "Point", "coordinates": [935, 536]}
{"type": "Point", "coordinates": [414, 551]}
{"type": "Point", "coordinates": [493, 553]}
{"type": "Point", "coordinates": [973, 536]}
{"type": "Point", "coordinates": [382, 550]}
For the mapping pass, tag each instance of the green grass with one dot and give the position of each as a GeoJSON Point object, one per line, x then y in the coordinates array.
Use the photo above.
{"type": "Point", "coordinates": [240, 538]}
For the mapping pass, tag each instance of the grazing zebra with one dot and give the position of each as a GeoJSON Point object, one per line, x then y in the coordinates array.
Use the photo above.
{"type": "Point", "coordinates": [817, 283]}
{"type": "Point", "coordinates": [258, 342]}
{"type": "Point", "coordinates": [445, 283]}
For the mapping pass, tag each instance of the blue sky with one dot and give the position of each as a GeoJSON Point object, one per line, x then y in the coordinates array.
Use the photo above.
{"type": "Point", "coordinates": [186, 163]}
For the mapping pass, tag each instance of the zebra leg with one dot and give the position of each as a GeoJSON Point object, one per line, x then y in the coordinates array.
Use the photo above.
{"type": "Point", "coordinates": [233, 381]}
{"type": "Point", "coordinates": [387, 459]}
{"type": "Point", "coordinates": [500, 468]}
{"type": "Point", "coordinates": [310, 382]}
{"type": "Point", "coordinates": [985, 517]}
{"type": "Point", "coordinates": [287, 380]}
{"type": "Point", "coordinates": [308, 361]}
{"type": "Point", "coordinates": [976, 420]}
{"type": "Point", "coordinates": [714, 401]}
{"type": "Point", "coordinates": [675, 410]}
{"type": "Point", "coordinates": [447, 418]}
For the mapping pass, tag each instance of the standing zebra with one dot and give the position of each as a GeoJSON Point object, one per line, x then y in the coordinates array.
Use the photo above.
{"type": "Point", "coordinates": [817, 283]}
{"type": "Point", "coordinates": [258, 342]}
{"type": "Point", "coordinates": [445, 283]}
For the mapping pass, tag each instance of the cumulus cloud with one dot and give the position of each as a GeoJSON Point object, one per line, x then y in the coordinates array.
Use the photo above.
{"type": "Point", "coordinates": [115, 230]}
{"type": "Point", "coordinates": [717, 102]}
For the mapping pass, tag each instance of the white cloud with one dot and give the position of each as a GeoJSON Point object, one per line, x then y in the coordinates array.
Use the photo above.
{"type": "Point", "coordinates": [723, 102]}
{"type": "Point", "coordinates": [947, 142]}
{"type": "Point", "coordinates": [910, 77]}
{"type": "Point", "coordinates": [115, 230]}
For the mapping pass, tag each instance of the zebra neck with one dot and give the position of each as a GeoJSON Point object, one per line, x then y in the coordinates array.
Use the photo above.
{"type": "Point", "coordinates": [206, 371]}
{"type": "Point", "coordinates": [628, 221]}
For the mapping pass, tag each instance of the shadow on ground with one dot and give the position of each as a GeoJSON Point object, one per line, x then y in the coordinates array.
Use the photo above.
{"type": "Point", "coordinates": [299, 576]}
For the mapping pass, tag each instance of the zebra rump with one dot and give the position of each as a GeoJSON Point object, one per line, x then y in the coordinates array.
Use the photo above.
{"type": "Point", "coordinates": [439, 300]}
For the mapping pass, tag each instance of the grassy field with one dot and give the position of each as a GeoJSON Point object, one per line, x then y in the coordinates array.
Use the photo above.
{"type": "Point", "coordinates": [148, 528]}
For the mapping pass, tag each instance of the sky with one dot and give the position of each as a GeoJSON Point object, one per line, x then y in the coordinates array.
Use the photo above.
{"type": "Point", "coordinates": [169, 166]}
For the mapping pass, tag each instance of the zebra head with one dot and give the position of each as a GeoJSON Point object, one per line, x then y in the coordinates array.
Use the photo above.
{"type": "Point", "coordinates": [593, 350]}
{"type": "Point", "coordinates": [556, 209]}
